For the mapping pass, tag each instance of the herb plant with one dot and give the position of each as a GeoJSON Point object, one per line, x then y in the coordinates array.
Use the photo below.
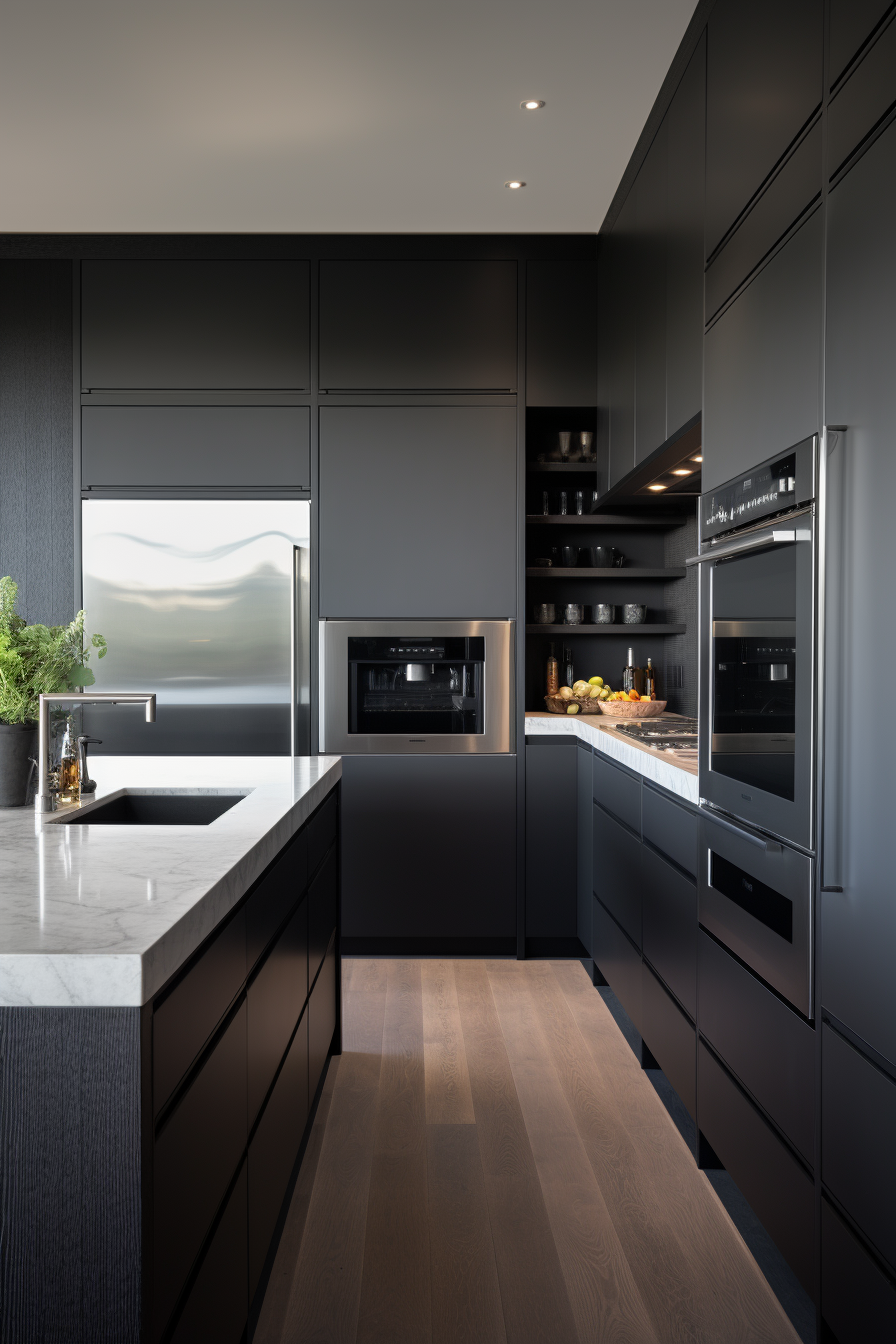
{"type": "Point", "coordinates": [39, 659]}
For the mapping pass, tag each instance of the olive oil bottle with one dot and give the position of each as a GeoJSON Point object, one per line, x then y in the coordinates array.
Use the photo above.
{"type": "Point", "coordinates": [69, 776]}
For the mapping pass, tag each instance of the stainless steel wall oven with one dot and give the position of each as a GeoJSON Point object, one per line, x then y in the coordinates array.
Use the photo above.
{"type": "Point", "coordinates": [416, 687]}
{"type": "Point", "coordinates": [757, 656]}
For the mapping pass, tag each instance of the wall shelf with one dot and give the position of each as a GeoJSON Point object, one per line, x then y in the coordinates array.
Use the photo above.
{"type": "Point", "coordinates": [631, 630]}
{"type": "Point", "coordinates": [604, 520]}
{"type": "Point", "coordinates": [581, 467]}
{"type": "Point", "coordinates": [555, 572]}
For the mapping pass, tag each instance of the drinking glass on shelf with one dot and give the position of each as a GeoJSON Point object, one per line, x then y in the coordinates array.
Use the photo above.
{"type": "Point", "coordinates": [573, 613]}
{"type": "Point", "coordinates": [563, 503]}
{"type": "Point", "coordinates": [545, 502]}
{"type": "Point", "coordinates": [579, 500]}
{"type": "Point", "coordinates": [563, 439]}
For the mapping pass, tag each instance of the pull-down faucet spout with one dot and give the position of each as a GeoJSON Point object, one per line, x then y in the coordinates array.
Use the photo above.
{"type": "Point", "coordinates": [44, 800]}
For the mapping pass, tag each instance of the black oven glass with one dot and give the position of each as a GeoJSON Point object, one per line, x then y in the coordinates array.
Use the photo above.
{"type": "Point", "coordinates": [759, 900]}
{"type": "Point", "coordinates": [754, 671]}
{"type": "Point", "coordinates": [416, 686]}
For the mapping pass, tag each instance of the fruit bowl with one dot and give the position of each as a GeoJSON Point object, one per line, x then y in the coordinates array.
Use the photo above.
{"type": "Point", "coordinates": [632, 709]}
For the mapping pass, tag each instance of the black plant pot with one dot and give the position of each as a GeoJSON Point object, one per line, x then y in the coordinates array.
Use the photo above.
{"type": "Point", "coordinates": [18, 744]}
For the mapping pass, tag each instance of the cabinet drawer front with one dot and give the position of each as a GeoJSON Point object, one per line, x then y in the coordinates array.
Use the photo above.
{"type": "Point", "coordinates": [857, 1302]}
{"type": "Point", "coordinates": [770, 1178]}
{"type": "Point", "coordinates": [321, 1018]}
{"type": "Point", "coordinates": [218, 1305]}
{"type": "Point", "coordinates": [669, 904]}
{"type": "Point", "coordinates": [321, 830]}
{"type": "Point", "coordinates": [858, 1157]}
{"type": "Point", "coordinates": [167, 447]}
{"type": "Point", "coordinates": [273, 1150]}
{"type": "Point", "coordinates": [863, 99]}
{"type": "Point", "coordinates": [194, 1161]}
{"type": "Point", "coordinates": [768, 1047]}
{"type": "Point", "coordinates": [616, 871]}
{"type": "Point", "coordinates": [617, 792]}
{"type": "Point", "coordinates": [186, 1018]}
{"type": "Point", "coordinates": [619, 963]}
{"type": "Point", "coordinates": [275, 896]}
{"type": "Point", "coordinates": [670, 828]}
{"type": "Point", "coordinates": [671, 1039]}
{"type": "Point", "coordinates": [276, 998]}
{"type": "Point", "coordinates": [323, 903]}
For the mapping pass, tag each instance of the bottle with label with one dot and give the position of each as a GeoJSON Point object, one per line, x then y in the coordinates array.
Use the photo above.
{"type": "Point", "coordinates": [632, 676]}
{"type": "Point", "coordinates": [69, 776]}
{"type": "Point", "coordinates": [567, 663]}
{"type": "Point", "coordinates": [553, 671]}
{"type": "Point", "coordinates": [650, 680]}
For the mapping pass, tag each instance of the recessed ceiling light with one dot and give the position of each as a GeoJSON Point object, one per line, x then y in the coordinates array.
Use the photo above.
{"type": "Point", "coordinates": [682, 471]}
{"type": "Point", "coordinates": [698, 458]}
{"type": "Point", "coordinates": [514, 186]}
{"type": "Point", "coordinates": [532, 104]}
{"type": "Point", "coordinates": [656, 487]}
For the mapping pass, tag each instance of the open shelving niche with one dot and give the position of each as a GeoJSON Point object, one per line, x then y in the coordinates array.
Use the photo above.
{"type": "Point", "coordinates": [640, 533]}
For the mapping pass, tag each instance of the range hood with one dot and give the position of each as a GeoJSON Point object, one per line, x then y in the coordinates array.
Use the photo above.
{"type": "Point", "coordinates": [672, 471]}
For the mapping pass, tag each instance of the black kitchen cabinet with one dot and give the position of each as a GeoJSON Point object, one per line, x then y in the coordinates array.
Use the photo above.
{"type": "Point", "coordinates": [418, 326]}
{"type": "Point", "coordinates": [432, 854]}
{"type": "Point", "coordinates": [196, 447]}
{"type": "Point", "coordinates": [858, 923]}
{"type": "Point", "coordinates": [858, 1119]}
{"type": "Point", "coordinates": [276, 996]}
{"type": "Point", "coordinates": [321, 1018]}
{"type": "Point", "coordinates": [619, 338]}
{"type": "Point", "coordinates": [685, 125]}
{"type": "Point", "coordinates": [551, 838]}
{"type": "Point", "coordinates": [858, 1301]}
{"type": "Point", "coordinates": [669, 915]}
{"type": "Point", "coordinates": [619, 962]}
{"type": "Point", "coordinates": [323, 902]}
{"type": "Point", "coordinates": [584, 851]}
{"type": "Point", "coordinates": [763, 361]}
{"type": "Point", "coordinates": [198, 324]}
{"type": "Point", "coordinates": [864, 99]}
{"type": "Point", "coordinates": [651, 227]}
{"type": "Point", "coordinates": [851, 24]}
{"type": "Point", "coordinates": [418, 511]}
{"type": "Point", "coordinates": [561, 335]}
{"type": "Point", "coordinates": [215, 1310]}
{"type": "Point", "coordinates": [763, 83]}
{"type": "Point", "coordinates": [670, 1037]}
{"type": "Point", "coordinates": [776, 1185]}
{"type": "Point", "coordinates": [617, 864]}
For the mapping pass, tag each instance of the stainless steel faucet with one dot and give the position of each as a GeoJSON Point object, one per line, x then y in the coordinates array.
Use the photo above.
{"type": "Point", "coordinates": [44, 800]}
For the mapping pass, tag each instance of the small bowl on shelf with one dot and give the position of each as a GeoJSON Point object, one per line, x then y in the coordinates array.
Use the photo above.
{"type": "Point", "coordinates": [632, 709]}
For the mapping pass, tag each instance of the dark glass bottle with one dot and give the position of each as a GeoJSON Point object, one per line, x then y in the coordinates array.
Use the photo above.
{"type": "Point", "coordinates": [553, 672]}
{"type": "Point", "coordinates": [568, 667]}
{"type": "Point", "coordinates": [632, 676]}
{"type": "Point", "coordinates": [650, 681]}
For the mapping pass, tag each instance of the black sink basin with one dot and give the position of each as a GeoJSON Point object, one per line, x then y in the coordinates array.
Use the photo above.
{"type": "Point", "coordinates": [157, 809]}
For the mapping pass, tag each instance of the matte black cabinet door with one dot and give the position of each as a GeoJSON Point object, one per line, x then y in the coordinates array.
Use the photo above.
{"type": "Point", "coordinates": [669, 903]}
{"type": "Point", "coordinates": [864, 99]}
{"type": "Point", "coordinates": [763, 362]}
{"type": "Point", "coordinates": [651, 230]}
{"type": "Point", "coordinates": [551, 868]}
{"type": "Point", "coordinates": [621, 349]}
{"type": "Point", "coordinates": [620, 963]}
{"type": "Point", "coordinates": [858, 925]}
{"type": "Point", "coordinates": [321, 1019]}
{"type": "Point", "coordinates": [764, 81]}
{"type": "Point", "coordinates": [670, 1038]}
{"type": "Point", "coordinates": [617, 871]}
{"type": "Point", "coordinates": [276, 997]}
{"type": "Point", "coordinates": [195, 324]}
{"type": "Point", "coordinates": [196, 447]}
{"type": "Point", "coordinates": [323, 901]}
{"type": "Point", "coordinates": [561, 340]}
{"type": "Point", "coordinates": [418, 511]}
{"type": "Point", "coordinates": [274, 1148]}
{"type": "Point", "coordinates": [418, 326]}
{"type": "Point", "coordinates": [216, 1310]}
{"type": "Point", "coordinates": [686, 150]}
{"type": "Point", "coordinates": [851, 22]}
{"type": "Point", "coordinates": [857, 1302]}
{"type": "Point", "coordinates": [275, 895]}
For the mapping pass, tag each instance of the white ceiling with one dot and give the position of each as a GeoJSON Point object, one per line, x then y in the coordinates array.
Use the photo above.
{"type": "Point", "coordinates": [330, 116]}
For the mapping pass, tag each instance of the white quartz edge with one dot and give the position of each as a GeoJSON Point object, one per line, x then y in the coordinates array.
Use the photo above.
{"type": "Point", "coordinates": [120, 909]}
{"type": "Point", "coordinates": [646, 763]}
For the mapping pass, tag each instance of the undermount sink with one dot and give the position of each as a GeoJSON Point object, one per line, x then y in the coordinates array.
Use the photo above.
{"type": "Point", "coordinates": [155, 809]}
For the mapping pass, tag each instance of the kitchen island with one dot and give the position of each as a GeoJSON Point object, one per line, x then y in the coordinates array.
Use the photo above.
{"type": "Point", "coordinates": [168, 1001]}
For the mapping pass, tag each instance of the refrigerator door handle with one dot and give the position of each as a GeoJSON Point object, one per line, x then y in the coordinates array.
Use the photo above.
{"type": "Point", "coordinates": [294, 648]}
{"type": "Point", "coordinates": [832, 720]}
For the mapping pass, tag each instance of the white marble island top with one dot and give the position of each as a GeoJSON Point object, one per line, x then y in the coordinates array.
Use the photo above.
{"type": "Point", "coordinates": [104, 915]}
{"type": "Point", "coordinates": [678, 776]}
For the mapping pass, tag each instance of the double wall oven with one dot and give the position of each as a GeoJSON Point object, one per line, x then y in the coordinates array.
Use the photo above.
{"type": "Point", "coordinates": [758, 566]}
{"type": "Point", "coordinates": [416, 687]}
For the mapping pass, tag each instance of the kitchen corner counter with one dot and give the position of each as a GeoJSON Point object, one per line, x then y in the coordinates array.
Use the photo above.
{"type": "Point", "coordinates": [102, 916]}
{"type": "Point", "coordinates": [678, 777]}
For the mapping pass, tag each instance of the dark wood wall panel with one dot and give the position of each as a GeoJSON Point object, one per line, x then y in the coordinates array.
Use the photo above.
{"type": "Point", "coordinates": [70, 1204]}
{"type": "Point", "coordinates": [36, 540]}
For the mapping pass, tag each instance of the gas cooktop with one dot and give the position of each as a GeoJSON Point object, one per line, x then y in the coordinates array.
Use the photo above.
{"type": "Point", "coordinates": [666, 735]}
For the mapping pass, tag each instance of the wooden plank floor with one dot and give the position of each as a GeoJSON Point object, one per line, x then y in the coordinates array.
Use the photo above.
{"type": "Point", "coordinates": [489, 1165]}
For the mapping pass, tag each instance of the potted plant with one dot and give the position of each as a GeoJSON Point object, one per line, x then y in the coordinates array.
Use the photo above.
{"type": "Point", "coordinates": [34, 660]}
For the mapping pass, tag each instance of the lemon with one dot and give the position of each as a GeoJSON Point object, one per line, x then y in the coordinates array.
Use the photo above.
{"type": "Point", "coordinates": [572, 709]}
{"type": "Point", "coordinates": [595, 681]}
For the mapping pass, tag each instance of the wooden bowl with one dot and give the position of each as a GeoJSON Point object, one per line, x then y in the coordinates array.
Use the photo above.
{"type": "Point", "coordinates": [632, 709]}
{"type": "Point", "coordinates": [557, 705]}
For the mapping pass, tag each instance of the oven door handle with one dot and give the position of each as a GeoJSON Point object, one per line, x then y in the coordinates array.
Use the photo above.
{"type": "Point", "coordinates": [777, 537]}
{"type": "Point", "coordinates": [770, 846]}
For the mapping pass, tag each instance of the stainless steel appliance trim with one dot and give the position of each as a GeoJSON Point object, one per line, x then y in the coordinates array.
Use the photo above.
{"type": "Point", "coordinates": [754, 629]}
{"type": "Point", "coordinates": [753, 744]}
{"type": "Point", "coordinates": [750, 836]}
{"type": "Point", "coordinates": [294, 651]}
{"type": "Point", "coordinates": [830, 679]}
{"type": "Point", "coordinates": [774, 537]}
{"type": "Point", "coordinates": [498, 736]}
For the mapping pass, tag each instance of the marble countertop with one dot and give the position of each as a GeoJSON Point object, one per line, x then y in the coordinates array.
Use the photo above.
{"type": "Point", "coordinates": [678, 776]}
{"type": "Point", "coordinates": [104, 915]}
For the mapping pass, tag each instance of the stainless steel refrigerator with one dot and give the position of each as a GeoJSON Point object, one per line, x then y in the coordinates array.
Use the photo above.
{"type": "Point", "coordinates": [205, 602]}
